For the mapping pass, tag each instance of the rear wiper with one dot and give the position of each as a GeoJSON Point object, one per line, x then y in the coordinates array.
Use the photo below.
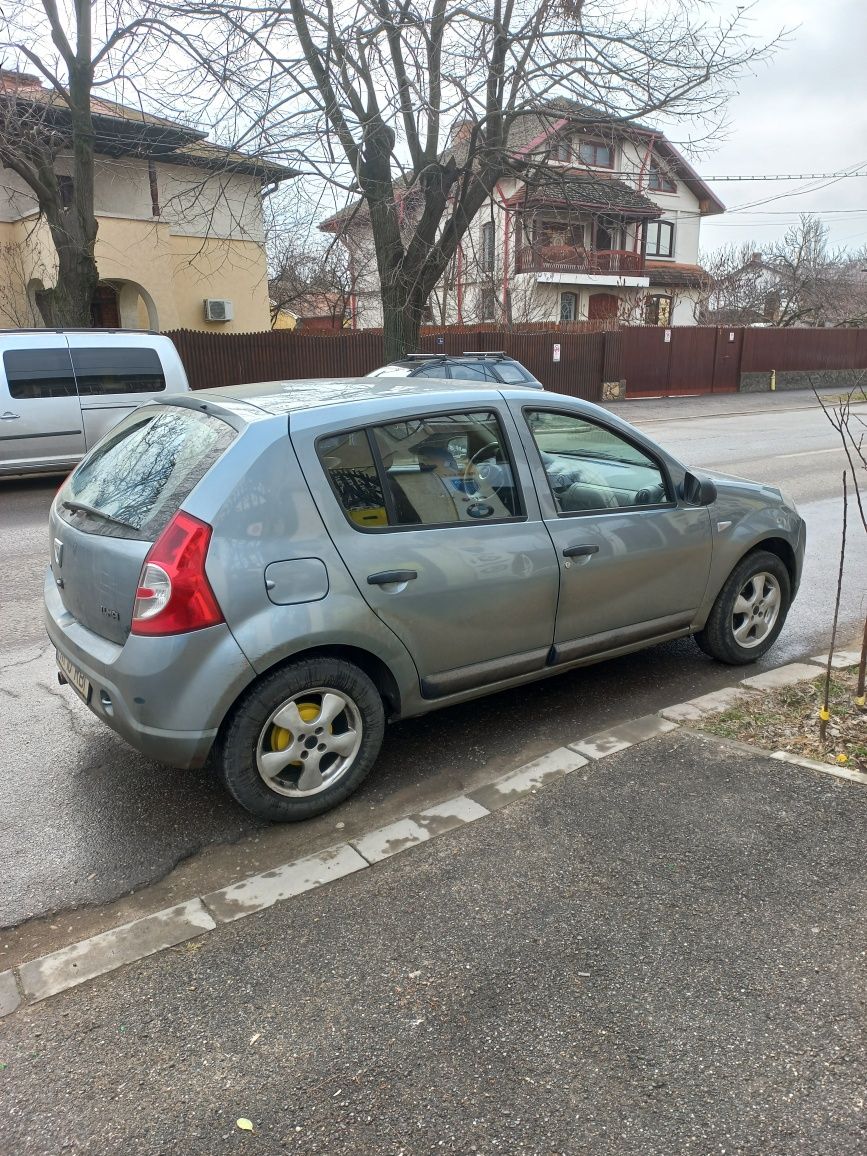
{"type": "Point", "coordinates": [84, 508]}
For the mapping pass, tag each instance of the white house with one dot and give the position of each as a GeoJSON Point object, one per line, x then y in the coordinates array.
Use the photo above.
{"type": "Point", "coordinates": [604, 224]}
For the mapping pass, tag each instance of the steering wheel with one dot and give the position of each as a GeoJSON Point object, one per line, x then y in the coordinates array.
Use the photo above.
{"type": "Point", "coordinates": [650, 496]}
{"type": "Point", "coordinates": [485, 475]}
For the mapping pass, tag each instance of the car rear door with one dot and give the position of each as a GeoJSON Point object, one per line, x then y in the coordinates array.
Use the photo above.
{"type": "Point", "coordinates": [634, 558]}
{"type": "Point", "coordinates": [464, 574]}
{"type": "Point", "coordinates": [40, 415]}
{"type": "Point", "coordinates": [114, 374]}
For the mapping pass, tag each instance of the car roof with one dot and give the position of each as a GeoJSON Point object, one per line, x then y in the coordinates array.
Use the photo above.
{"type": "Point", "coordinates": [280, 397]}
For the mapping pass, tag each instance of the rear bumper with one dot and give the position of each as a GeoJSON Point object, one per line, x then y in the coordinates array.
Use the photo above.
{"type": "Point", "coordinates": [165, 696]}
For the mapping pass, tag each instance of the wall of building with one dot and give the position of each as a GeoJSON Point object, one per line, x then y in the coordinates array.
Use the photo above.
{"type": "Point", "coordinates": [207, 242]}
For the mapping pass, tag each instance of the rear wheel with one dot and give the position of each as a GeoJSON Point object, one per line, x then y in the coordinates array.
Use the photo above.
{"type": "Point", "coordinates": [302, 739]}
{"type": "Point", "coordinates": [749, 612]}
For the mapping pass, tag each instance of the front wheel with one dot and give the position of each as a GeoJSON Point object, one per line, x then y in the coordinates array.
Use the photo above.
{"type": "Point", "coordinates": [749, 611]}
{"type": "Point", "coordinates": [302, 739]}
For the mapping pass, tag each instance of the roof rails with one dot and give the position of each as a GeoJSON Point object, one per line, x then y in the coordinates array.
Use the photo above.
{"type": "Point", "coordinates": [484, 353]}
{"type": "Point", "coordinates": [425, 356]}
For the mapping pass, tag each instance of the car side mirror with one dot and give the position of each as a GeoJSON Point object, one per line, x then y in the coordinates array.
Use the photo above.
{"type": "Point", "coordinates": [698, 491]}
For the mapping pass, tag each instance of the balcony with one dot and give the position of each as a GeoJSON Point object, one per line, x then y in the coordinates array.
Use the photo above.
{"type": "Point", "coordinates": [575, 259]}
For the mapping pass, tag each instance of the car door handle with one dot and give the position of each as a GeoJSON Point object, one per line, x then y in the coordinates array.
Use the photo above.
{"type": "Point", "coordinates": [385, 577]}
{"type": "Point", "coordinates": [580, 551]}
{"type": "Point", "coordinates": [7, 416]}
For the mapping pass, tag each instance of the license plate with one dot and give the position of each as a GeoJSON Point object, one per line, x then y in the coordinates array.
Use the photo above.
{"type": "Point", "coordinates": [76, 678]}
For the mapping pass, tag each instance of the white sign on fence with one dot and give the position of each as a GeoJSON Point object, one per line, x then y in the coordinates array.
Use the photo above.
{"type": "Point", "coordinates": [556, 352]}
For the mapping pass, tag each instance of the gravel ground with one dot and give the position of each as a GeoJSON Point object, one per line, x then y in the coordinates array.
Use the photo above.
{"type": "Point", "coordinates": [662, 954]}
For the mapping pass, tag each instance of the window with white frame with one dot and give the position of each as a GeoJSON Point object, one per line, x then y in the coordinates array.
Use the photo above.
{"type": "Point", "coordinates": [660, 239]}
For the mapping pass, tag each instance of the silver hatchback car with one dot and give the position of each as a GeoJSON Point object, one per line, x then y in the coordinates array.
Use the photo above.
{"type": "Point", "coordinates": [262, 575]}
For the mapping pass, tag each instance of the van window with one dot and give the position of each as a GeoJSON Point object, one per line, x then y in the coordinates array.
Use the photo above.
{"type": "Point", "coordinates": [118, 370]}
{"type": "Point", "coordinates": [33, 373]}
{"type": "Point", "coordinates": [136, 479]}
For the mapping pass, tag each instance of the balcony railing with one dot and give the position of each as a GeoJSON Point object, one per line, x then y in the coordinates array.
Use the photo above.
{"type": "Point", "coordinates": [573, 259]}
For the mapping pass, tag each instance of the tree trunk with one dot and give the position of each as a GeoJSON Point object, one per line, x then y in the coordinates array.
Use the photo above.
{"type": "Point", "coordinates": [401, 324]}
{"type": "Point", "coordinates": [67, 304]}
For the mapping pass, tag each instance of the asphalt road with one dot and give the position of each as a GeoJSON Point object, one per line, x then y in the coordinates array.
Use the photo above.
{"type": "Point", "coordinates": [661, 954]}
{"type": "Point", "coordinates": [84, 819]}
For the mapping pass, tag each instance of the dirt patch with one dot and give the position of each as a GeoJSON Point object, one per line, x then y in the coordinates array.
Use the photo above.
{"type": "Point", "coordinates": [788, 720]}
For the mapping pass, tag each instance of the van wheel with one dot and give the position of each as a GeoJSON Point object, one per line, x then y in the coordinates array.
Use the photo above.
{"type": "Point", "coordinates": [302, 739]}
{"type": "Point", "coordinates": [749, 612]}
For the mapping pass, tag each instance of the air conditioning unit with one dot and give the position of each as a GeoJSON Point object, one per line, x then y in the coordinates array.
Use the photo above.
{"type": "Point", "coordinates": [216, 310]}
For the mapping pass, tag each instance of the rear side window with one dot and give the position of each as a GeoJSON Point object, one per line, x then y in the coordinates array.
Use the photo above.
{"type": "Point", "coordinates": [33, 373]}
{"type": "Point", "coordinates": [437, 369]}
{"type": "Point", "coordinates": [135, 480]}
{"type": "Point", "coordinates": [118, 370]}
{"type": "Point", "coordinates": [474, 372]}
{"type": "Point", "coordinates": [438, 470]}
{"type": "Point", "coordinates": [509, 372]}
{"type": "Point", "coordinates": [352, 470]}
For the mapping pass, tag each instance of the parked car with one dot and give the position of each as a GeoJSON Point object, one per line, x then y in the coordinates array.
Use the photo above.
{"type": "Point", "coordinates": [61, 390]}
{"type": "Point", "coordinates": [494, 367]}
{"type": "Point", "coordinates": [264, 574]}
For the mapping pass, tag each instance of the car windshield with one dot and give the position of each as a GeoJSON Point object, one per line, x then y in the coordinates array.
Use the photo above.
{"type": "Point", "coordinates": [391, 371]}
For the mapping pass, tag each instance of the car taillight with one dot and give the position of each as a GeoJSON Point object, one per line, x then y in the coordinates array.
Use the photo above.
{"type": "Point", "coordinates": [174, 595]}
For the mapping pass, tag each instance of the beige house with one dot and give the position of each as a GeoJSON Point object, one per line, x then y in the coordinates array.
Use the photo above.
{"type": "Point", "coordinates": [604, 226]}
{"type": "Point", "coordinates": [181, 240]}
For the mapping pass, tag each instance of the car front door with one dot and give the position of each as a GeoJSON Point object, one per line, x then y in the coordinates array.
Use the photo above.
{"type": "Point", "coordinates": [634, 559]}
{"type": "Point", "coordinates": [40, 415]}
{"type": "Point", "coordinates": [437, 520]}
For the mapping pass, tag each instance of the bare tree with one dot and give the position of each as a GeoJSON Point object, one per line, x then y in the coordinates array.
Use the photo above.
{"type": "Point", "coordinates": [797, 280]}
{"type": "Point", "coordinates": [411, 106]}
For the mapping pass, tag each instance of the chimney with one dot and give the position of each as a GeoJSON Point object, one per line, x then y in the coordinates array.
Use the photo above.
{"type": "Point", "coordinates": [13, 81]}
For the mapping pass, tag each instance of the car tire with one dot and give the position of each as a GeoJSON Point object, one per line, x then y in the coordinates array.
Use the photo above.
{"type": "Point", "coordinates": [749, 611]}
{"type": "Point", "coordinates": [301, 740]}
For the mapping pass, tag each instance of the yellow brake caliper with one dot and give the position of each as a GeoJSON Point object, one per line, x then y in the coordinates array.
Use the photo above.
{"type": "Point", "coordinates": [281, 738]}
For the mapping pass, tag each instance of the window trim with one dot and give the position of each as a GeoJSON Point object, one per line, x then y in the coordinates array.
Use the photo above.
{"type": "Point", "coordinates": [661, 465]}
{"type": "Point", "coordinates": [669, 256]}
{"type": "Point", "coordinates": [382, 475]}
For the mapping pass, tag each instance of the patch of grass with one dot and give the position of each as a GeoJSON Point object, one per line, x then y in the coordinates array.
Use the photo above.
{"type": "Point", "coordinates": [788, 720]}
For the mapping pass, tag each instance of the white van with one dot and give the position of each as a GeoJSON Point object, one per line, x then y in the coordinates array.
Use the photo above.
{"type": "Point", "coordinates": [62, 389]}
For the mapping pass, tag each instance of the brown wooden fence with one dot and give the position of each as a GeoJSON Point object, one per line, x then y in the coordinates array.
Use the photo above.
{"type": "Point", "coordinates": [652, 361]}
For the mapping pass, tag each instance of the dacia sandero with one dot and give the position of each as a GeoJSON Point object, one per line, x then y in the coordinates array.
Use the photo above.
{"type": "Point", "coordinates": [261, 576]}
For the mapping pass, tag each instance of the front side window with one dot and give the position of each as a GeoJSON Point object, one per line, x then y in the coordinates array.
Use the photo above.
{"type": "Point", "coordinates": [591, 468]}
{"type": "Point", "coordinates": [660, 239]}
{"type": "Point", "coordinates": [433, 471]}
{"type": "Point", "coordinates": [33, 373]}
{"type": "Point", "coordinates": [118, 370]}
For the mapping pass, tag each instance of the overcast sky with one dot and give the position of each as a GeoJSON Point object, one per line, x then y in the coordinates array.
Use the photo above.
{"type": "Point", "coordinates": [804, 112]}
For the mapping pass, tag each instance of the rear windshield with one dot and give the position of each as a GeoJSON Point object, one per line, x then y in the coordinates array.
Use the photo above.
{"type": "Point", "coordinates": [140, 474]}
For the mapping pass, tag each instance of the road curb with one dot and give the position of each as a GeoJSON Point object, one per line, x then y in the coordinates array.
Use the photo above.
{"type": "Point", "coordinates": [76, 963]}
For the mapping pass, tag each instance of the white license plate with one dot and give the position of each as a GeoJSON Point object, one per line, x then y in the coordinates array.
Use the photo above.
{"type": "Point", "coordinates": [76, 678]}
